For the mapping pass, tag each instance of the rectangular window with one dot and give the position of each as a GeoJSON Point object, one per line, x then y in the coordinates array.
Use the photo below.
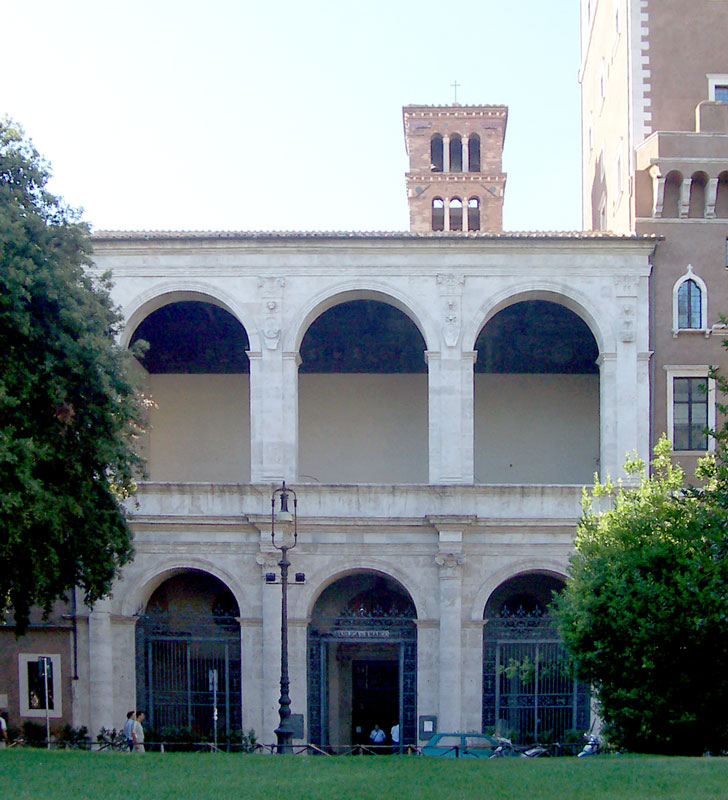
{"type": "Point", "coordinates": [34, 700]}
{"type": "Point", "coordinates": [690, 414]}
{"type": "Point", "coordinates": [718, 86]}
{"type": "Point", "coordinates": [40, 684]}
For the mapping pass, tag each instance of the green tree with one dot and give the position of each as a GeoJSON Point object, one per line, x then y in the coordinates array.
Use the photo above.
{"type": "Point", "coordinates": [645, 613]}
{"type": "Point", "coordinates": [68, 409]}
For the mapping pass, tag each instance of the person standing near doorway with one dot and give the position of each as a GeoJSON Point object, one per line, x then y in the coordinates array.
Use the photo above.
{"type": "Point", "coordinates": [395, 737]}
{"type": "Point", "coordinates": [138, 733]}
{"type": "Point", "coordinates": [377, 736]}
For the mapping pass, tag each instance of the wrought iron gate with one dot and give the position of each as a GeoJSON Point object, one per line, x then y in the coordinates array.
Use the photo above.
{"type": "Point", "coordinates": [529, 690]}
{"type": "Point", "coordinates": [174, 670]}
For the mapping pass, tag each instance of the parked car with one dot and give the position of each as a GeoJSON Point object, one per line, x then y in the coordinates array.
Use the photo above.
{"type": "Point", "coordinates": [460, 745]}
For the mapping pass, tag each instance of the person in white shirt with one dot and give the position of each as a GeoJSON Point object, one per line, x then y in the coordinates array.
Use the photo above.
{"type": "Point", "coordinates": [395, 737]}
{"type": "Point", "coordinates": [377, 736]}
{"type": "Point", "coordinates": [138, 733]}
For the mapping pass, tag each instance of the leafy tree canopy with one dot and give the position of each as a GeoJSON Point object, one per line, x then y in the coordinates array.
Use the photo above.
{"type": "Point", "coordinates": [644, 612]}
{"type": "Point", "coordinates": [68, 410]}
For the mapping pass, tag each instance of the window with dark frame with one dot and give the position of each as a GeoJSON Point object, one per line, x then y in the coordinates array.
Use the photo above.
{"type": "Point", "coordinates": [689, 305]}
{"type": "Point", "coordinates": [37, 685]}
{"type": "Point", "coordinates": [721, 93]}
{"type": "Point", "coordinates": [690, 414]}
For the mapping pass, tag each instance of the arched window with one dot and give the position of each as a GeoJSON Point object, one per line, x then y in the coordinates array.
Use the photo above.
{"type": "Point", "coordinates": [474, 153]}
{"type": "Point", "coordinates": [671, 203]}
{"type": "Point", "coordinates": [436, 153]}
{"type": "Point", "coordinates": [456, 153]}
{"type": "Point", "coordinates": [697, 195]}
{"type": "Point", "coordinates": [690, 303]}
{"type": "Point", "coordinates": [438, 214]}
{"type": "Point", "coordinates": [473, 214]}
{"type": "Point", "coordinates": [456, 214]}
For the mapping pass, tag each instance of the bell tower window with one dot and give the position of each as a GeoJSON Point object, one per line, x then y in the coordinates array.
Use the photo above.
{"type": "Point", "coordinates": [474, 153]}
{"type": "Point", "coordinates": [436, 154]}
{"type": "Point", "coordinates": [456, 214]}
{"type": "Point", "coordinates": [438, 214]}
{"type": "Point", "coordinates": [456, 154]}
{"type": "Point", "coordinates": [473, 214]}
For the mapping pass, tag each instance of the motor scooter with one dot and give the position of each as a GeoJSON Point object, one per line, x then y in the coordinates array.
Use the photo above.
{"type": "Point", "coordinates": [592, 747]}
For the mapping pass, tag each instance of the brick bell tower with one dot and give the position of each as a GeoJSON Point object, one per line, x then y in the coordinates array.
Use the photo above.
{"type": "Point", "coordinates": [455, 181]}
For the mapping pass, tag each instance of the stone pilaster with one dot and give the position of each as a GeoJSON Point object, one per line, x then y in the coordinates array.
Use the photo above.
{"type": "Point", "coordinates": [101, 669]}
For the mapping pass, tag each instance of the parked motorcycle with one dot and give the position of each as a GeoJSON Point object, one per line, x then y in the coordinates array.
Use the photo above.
{"type": "Point", "coordinates": [506, 748]}
{"type": "Point", "coordinates": [592, 747]}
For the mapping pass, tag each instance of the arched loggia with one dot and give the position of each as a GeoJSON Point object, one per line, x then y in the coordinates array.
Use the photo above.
{"type": "Point", "coordinates": [196, 367]}
{"type": "Point", "coordinates": [363, 397]}
{"type": "Point", "coordinates": [536, 397]}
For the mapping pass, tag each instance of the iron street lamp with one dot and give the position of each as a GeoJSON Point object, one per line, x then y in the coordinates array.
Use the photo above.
{"type": "Point", "coordinates": [284, 731]}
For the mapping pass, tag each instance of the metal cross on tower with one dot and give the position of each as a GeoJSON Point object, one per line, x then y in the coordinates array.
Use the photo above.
{"type": "Point", "coordinates": [455, 87]}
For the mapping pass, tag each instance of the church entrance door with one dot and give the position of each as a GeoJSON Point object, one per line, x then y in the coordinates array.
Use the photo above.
{"type": "Point", "coordinates": [375, 698]}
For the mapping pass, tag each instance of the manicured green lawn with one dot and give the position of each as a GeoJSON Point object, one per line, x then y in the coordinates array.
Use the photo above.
{"type": "Point", "coordinates": [38, 775]}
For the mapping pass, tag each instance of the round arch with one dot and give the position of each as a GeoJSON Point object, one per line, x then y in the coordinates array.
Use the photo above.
{"type": "Point", "coordinates": [138, 593]}
{"type": "Point", "coordinates": [317, 583]}
{"type": "Point", "coordinates": [362, 658]}
{"type": "Point", "coordinates": [524, 566]}
{"type": "Point", "coordinates": [529, 689]}
{"type": "Point", "coordinates": [356, 290]}
{"type": "Point", "coordinates": [190, 632]}
{"type": "Point", "coordinates": [570, 298]}
{"type": "Point", "coordinates": [144, 304]}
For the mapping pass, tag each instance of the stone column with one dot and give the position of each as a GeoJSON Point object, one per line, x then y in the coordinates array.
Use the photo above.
{"type": "Point", "coordinates": [427, 671]}
{"type": "Point", "coordinates": [449, 562]}
{"type": "Point", "coordinates": [274, 416]}
{"type": "Point", "coordinates": [472, 709]}
{"type": "Point", "coordinates": [445, 153]}
{"type": "Point", "coordinates": [101, 669]}
{"type": "Point", "coordinates": [624, 388]}
{"type": "Point", "coordinates": [450, 390]}
{"type": "Point", "coordinates": [251, 649]}
{"type": "Point", "coordinates": [271, 651]}
{"type": "Point", "coordinates": [298, 663]}
{"type": "Point", "coordinates": [608, 458]}
{"type": "Point", "coordinates": [466, 161]}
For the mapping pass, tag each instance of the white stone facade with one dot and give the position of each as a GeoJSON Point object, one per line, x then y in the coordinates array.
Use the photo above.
{"type": "Point", "coordinates": [448, 538]}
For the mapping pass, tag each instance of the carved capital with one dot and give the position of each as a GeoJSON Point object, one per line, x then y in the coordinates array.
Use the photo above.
{"type": "Point", "coordinates": [449, 283]}
{"type": "Point", "coordinates": [449, 564]}
{"type": "Point", "coordinates": [268, 562]}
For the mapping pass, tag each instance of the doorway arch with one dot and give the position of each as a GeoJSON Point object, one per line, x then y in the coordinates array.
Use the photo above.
{"type": "Point", "coordinates": [529, 690]}
{"type": "Point", "coordinates": [188, 633]}
{"type": "Point", "coordinates": [362, 661]}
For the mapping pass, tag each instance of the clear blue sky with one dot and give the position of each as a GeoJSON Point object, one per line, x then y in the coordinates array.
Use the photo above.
{"type": "Point", "coordinates": [224, 115]}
